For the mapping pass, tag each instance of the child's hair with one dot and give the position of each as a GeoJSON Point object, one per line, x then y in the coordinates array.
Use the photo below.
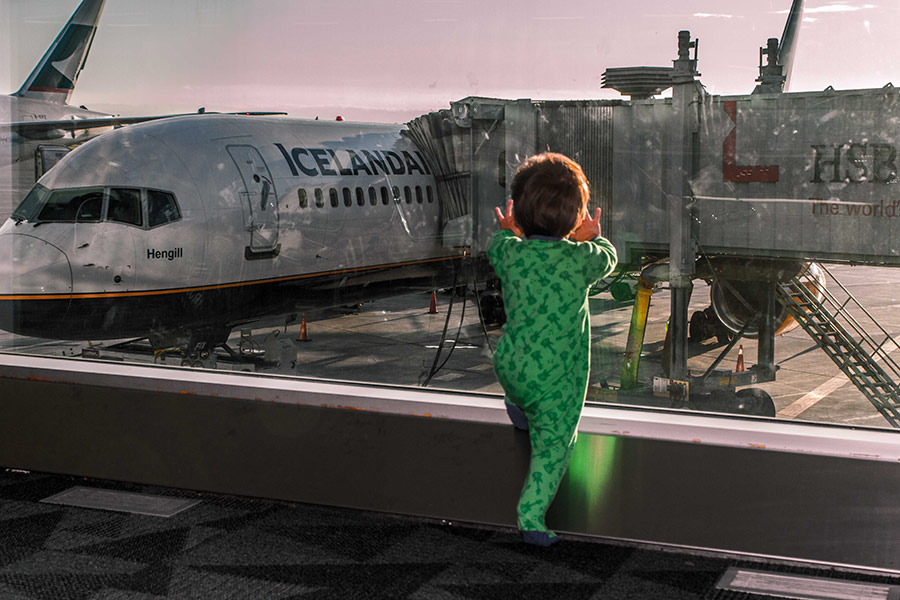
{"type": "Point", "coordinates": [549, 192]}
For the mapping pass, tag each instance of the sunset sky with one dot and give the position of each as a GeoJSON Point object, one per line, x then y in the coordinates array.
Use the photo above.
{"type": "Point", "coordinates": [391, 60]}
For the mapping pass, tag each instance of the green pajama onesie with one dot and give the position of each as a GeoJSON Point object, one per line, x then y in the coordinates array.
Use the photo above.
{"type": "Point", "coordinates": [544, 355]}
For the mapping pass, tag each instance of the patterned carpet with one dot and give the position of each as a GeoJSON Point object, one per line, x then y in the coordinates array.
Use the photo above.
{"type": "Point", "coordinates": [227, 547]}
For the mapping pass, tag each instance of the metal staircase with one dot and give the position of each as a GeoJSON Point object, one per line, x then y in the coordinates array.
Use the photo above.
{"type": "Point", "coordinates": [837, 327]}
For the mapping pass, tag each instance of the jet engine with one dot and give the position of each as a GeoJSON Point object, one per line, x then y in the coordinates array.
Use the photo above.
{"type": "Point", "coordinates": [738, 297]}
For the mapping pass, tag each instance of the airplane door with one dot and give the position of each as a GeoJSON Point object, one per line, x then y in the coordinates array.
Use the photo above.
{"type": "Point", "coordinates": [261, 198]}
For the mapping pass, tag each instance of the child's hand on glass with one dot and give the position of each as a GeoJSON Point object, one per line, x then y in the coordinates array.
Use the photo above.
{"type": "Point", "coordinates": [508, 221]}
{"type": "Point", "coordinates": [588, 229]}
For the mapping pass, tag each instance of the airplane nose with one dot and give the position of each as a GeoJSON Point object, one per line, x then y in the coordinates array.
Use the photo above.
{"type": "Point", "coordinates": [35, 284]}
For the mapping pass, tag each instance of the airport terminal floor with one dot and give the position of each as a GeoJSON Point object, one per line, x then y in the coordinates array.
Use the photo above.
{"type": "Point", "coordinates": [56, 542]}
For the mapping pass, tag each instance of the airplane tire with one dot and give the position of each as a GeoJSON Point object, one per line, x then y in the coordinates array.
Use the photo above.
{"type": "Point", "coordinates": [697, 327]}
{"type": "Point", "coordinates": [755, 401]}
{"type": "Point", "coordinates": [492, 309]}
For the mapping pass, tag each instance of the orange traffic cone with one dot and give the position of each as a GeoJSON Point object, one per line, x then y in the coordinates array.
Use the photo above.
{"type": "Point", "coordinates": [304, 336]}
{"type": "Point", "coordinates": [432, 310]}
{"type": "Point", "coordinates": [739, 367]}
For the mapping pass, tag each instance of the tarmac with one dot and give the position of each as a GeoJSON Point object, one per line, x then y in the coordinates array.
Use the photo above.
{"type": "Point", "coordinates": [396, 341]}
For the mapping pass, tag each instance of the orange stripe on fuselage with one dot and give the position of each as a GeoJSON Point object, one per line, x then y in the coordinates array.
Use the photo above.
{"type": "Point", "coordinates": [220, 286]}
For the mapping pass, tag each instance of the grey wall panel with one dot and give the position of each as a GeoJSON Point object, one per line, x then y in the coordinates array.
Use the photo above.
{"type": "Point", "coordinates": [743, 500]}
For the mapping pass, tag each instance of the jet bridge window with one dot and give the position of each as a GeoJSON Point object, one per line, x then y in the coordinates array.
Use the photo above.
{"type": "Point", "coordinates": [161, 208]}
{"type": "Point", "coordinates": [125, 206]}
{"type": "Point", "coordinates": [82, 205]}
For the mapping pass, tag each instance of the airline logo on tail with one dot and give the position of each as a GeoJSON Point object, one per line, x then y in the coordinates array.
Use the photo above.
{"type": "Point", "coordinates": [59, 73]}
{"type": "Point", "coordinates": [53, 79]}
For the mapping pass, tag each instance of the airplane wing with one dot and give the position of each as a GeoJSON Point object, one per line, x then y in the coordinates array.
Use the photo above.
{"type": "Point", "coordinates": [29, 128]}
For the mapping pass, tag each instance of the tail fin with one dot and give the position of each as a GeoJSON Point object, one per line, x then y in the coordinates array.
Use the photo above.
{"type": "Point", "coordinates": [789, 41]}
{"type": "Point", "coordinates": [53, 79]}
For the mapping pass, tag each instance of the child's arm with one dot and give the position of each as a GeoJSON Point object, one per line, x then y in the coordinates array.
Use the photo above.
{"type": "Point", "coordinates": [508, 221]}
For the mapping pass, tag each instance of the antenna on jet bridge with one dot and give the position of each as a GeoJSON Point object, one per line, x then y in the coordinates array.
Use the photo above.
{"type": "Point", "coordinates": [771, 77]}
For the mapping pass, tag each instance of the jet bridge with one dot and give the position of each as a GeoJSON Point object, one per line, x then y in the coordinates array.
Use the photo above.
{"type": "Point", "coordinates": [741, 191]}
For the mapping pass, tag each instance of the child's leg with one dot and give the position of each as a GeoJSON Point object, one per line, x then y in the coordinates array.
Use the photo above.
{"type": "Point", "coordinates": [552, 433]}
{"type": "Point", "coordinates": [517, 416]}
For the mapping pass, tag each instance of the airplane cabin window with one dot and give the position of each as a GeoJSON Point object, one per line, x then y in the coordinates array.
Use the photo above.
{"type": "Point", "coordinates": [360, 197]}
{"type": "Point", "coordinates": [333, 197]}
{"type": "Point", "coordinates": [301, 196]}
{"type": "Point", "coordinates": [320, 198]}
{"type": "Point", "coordinates": [385, 199]}
{"type": "Point", "coordinates": [407, 193]}
{"type": "Point", "coordinates": [373, 197]}
{"type": "Point", "coordinates": [430, 194]}
{"type": "Point", "coordinates": [162, 208]}
{"type": "Point", "coordinates": [419, 194]}
{"type": "Point", "coordinates": [348, 198]}
{"type": "Point", "coordinates": [396, 192]}
{"type": "Point", "coordinates": [82, 205]}
{"type": "Point", "coordinates": [125, 206]}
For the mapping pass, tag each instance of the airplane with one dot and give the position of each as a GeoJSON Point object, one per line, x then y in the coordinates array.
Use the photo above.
{"type": "Point", "coordinates": [180, 229]}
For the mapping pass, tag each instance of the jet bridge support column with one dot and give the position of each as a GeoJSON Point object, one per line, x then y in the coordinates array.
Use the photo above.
{"type": "Point", "coordinates": [682, 141]}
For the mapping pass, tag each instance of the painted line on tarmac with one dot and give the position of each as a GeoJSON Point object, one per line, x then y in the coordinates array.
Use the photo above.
{"type": "Point", "coordinates": [810, 399]}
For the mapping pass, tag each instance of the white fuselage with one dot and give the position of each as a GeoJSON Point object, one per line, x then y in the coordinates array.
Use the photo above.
{"type": "Point", "coordinates": [261, 203]}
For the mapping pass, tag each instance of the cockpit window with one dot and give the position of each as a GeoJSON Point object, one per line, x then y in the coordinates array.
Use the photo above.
{"type": "Point", "coordinates": [31, 203]}
{"type": "Point", "coordinates": [161, 208]}
{"type": "Point", "coordinates": [82, 205]}
{"type": "Point", "coordinates": [125, 206]}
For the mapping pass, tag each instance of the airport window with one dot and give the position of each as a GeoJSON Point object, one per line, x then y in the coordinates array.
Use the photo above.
{"type": "Point", "coordinates": [125, 206]}
{"type": "Point", "coordinates": [755, 165]}
{"type": "Point", "coordinates": [72, 205]}
{"type": "Point", "coordinates": [161, 208]}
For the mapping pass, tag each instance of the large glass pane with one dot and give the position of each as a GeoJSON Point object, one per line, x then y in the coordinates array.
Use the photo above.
{"type": "Point", "coordinates": [753, 207]}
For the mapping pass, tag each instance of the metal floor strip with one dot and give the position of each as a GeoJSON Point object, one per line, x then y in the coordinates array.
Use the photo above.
{"type": "Point", "coordinates": [140, 504]}
{"type": "Point", "coordinates": [802, 587]}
